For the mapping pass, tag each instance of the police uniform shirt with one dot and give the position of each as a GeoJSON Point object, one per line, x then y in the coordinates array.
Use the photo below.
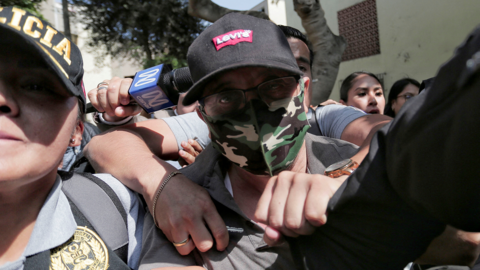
{"type": "Point", "coordinates": [56, 224]}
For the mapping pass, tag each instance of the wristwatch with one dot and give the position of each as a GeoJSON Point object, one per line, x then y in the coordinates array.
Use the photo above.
{"type": "Point", "coordinates": [344, 167]}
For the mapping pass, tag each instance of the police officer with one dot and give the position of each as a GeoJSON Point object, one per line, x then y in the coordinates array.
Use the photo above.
{"type": "Point", "coordinates": [80, 222]}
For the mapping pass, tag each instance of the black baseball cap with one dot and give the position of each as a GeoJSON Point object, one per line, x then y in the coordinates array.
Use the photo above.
{"type": "Point", "coordinates": [21, 28]}
{"type": "Point", "coordinates": [235, 41]}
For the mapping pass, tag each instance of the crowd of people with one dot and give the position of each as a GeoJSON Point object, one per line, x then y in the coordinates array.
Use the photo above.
{"type": "Point", "coordinates": [263, 180]}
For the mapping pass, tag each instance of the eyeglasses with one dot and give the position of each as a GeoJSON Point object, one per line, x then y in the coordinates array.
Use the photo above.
{"type": "Point", "coordinates": [406, 96]}
{"type": "Point", "coordinates": [230, 102]}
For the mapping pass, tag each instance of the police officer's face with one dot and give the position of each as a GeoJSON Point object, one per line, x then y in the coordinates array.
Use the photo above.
{"type": "Point", "coordinates": [37, 118]}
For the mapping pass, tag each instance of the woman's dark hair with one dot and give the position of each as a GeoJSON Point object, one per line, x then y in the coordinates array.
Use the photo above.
{"type": "Point", "coordinates": [348, 82]}
{"type": "Point", "coordinates": [396, 89]}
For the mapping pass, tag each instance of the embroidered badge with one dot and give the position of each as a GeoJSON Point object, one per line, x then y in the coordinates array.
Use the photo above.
{"type": "Point", "coordinates": [84, 251]}
{"type": "Point", "coordinates": [232, 38]}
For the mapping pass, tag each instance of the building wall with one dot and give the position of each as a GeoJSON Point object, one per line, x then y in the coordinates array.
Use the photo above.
{"type": "Point", "coordinates": [416, 36]}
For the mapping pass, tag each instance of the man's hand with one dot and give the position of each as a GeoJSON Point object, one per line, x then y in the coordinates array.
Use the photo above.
{"type": "Point", "coordinates": [294, 204]}
{"type": "Point", "coordinates": [184, 209]}
{"type": "Point", "coordinates": [191, 150]}
{"type": "Point", "coordinates": [112, 98]}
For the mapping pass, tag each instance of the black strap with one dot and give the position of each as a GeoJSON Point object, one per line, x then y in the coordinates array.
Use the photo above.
{"type": "Point", "coordinates": [88, 193]}
{"type": "Point", "coordinates": [120, 261]}
{"type": "Point", "coordinates": [314, 128]}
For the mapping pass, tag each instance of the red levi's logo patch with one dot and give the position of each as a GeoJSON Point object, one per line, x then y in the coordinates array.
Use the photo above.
{"type": "Point", "coordinates": [232, 38]}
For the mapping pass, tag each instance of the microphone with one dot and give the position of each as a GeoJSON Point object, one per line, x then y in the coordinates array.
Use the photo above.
{"type": "Point", "coordinates": [157, 88]}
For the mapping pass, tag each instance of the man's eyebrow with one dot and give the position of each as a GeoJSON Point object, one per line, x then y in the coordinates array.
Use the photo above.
{"type": "Point", "coordinates": [303, 59]}
{"type": "Point", "coordinates": [215, 89]}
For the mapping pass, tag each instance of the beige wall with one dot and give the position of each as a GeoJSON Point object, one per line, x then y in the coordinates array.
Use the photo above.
{"type": "Point", "coordinates": [416, 36]}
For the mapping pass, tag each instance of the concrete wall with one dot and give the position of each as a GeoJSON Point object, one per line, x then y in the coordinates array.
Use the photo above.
{"type": "Point", "coordinates": [416, 36]}
{"type": "Point", "coordinates": [277, 11]}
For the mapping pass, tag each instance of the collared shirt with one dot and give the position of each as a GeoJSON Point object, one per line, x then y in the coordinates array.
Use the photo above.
{"type": "Point", "coordinates": [55, 224]}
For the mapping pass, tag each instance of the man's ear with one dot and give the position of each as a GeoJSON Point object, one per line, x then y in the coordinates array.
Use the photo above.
{"type": "Point", "coordinates": [308, 93]}
{"type": "Point", "coordinates": [306, 81]}
{"type": "Point", "coordinates": [343, 102]}
{"type": "Point", "coordinates": [76, 138]}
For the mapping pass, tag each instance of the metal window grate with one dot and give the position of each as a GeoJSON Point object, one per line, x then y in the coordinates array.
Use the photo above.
{"type": "Point", "coordinates": [358, 24]}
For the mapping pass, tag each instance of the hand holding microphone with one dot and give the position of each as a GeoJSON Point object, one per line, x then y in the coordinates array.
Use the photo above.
{"type": "Point", "coordinates": [152, 89]}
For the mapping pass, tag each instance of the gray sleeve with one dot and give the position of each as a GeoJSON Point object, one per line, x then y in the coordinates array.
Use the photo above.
{"type": "Point", "coordinates": [157, 251]}
{"type": "Point", "coordinates": [332, 119]}
{"type": "Point", "coordinates": [188, 126]}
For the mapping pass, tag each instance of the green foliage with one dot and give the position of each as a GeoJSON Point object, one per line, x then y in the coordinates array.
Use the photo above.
{"type": "Point", "coordinates": [148, 31]}
{"type": "Point", "coordinates": [31, 6]}
{"type": "Point", "coordinates": [168, 59]}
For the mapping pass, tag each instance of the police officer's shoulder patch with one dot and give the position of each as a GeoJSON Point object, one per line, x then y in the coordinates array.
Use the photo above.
{"type": "Point", "coordinates": [84, 251]}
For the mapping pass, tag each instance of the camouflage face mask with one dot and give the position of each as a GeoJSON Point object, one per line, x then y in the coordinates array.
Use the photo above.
{"type": "Point", "coordinates": [262, 139]}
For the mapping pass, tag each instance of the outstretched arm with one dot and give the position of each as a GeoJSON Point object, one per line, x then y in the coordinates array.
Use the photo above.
{"type": "Point", "coordinates": [125, 155]}
{"type": "Point", "coordinates": [362, 129]}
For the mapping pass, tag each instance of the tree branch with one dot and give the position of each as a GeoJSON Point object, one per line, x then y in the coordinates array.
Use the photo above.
{"type": "Point", "coordinates": [327, 47]}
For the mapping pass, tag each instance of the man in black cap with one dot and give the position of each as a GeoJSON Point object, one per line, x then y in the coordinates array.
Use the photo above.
{"type": "Point", "coordinates": [251, 96]}
{"type": "Point", "coordinates": [244, 83]}
{"type": "Point", "coordinates": [124, 155]}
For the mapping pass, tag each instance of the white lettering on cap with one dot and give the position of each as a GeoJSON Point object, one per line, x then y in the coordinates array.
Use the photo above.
{"type": "Point", "coordinates": [232, 38]}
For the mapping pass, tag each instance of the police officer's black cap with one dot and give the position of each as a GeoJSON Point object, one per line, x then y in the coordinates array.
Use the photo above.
{"type": "Point", "coordinates": [23, 29]}
{"type": "Point", "coordinates": [236, 41]}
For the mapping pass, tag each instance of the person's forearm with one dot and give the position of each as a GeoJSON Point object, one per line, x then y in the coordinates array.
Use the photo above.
{"type": "Point", "coordinates": [362, 129]}
{"type": "Point", "coordinates": [125, 155]}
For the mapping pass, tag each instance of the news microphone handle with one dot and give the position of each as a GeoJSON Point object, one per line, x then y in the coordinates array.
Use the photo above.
{"type": "Point", "coordinates": [180, 79]}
